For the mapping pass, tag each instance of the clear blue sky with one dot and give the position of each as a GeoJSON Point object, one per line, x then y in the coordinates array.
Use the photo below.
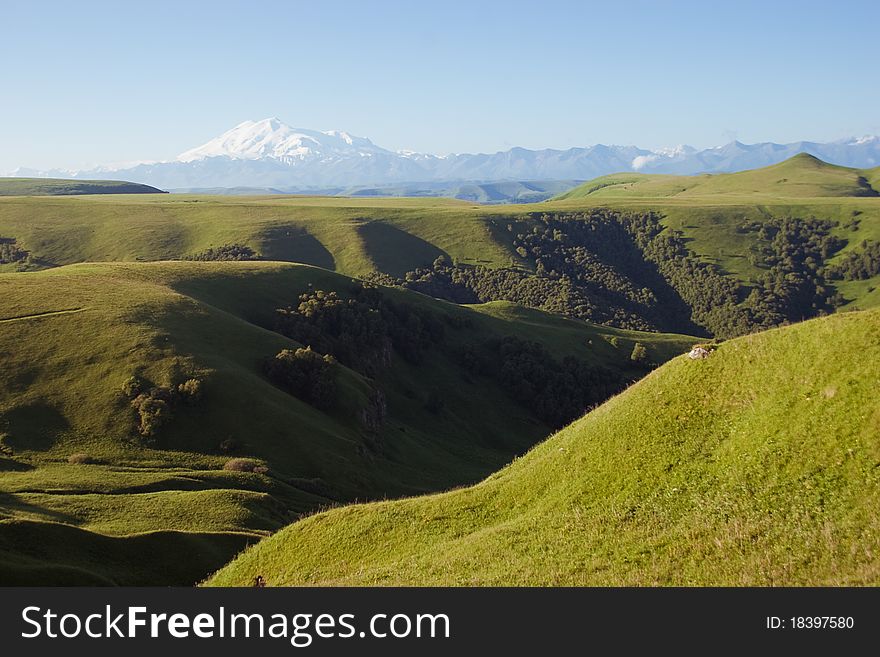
{"type": "Point", "coordinates": [93, 82]}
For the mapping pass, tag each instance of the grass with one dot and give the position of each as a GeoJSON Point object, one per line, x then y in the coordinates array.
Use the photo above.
{"type": "Point", "coordinates": [800, 176]}
{"type": "Point", "coordinates": [725, 432]}
{"type": "Point", "coordinates": [355, 236]}
{"type": "Point", "coordinates": [70, 336]}
{"type": "Point", "coordinates": [756, 466]}
{"type": "Point", "coordinates": [62, 187]}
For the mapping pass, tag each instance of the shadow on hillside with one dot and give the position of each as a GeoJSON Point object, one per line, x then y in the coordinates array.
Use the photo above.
{"type": "Point", "coordinates": [294, 244]}
{"type": "Point", "coordinates": [395, 251]}
{"type": "Point", "coordinates": [32, 426]}
{"type": "Point", "coordinates": [11, 505]}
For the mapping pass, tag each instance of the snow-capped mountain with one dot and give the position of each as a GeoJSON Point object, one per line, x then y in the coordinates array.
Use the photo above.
{"type": "Point", "coordinates": [270, 153]}
{"type": "Point", "coordinates": [273, 139]}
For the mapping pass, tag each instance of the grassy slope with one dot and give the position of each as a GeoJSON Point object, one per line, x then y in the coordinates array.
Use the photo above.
{"type": "Point", "coordinates": [355, 235]}
{"type": "Point", "coordinates": [61, 187]}
{"type": "Point", "coordinates": [757, 466]}
{"type": "Point", "coordinates": [346, 235]}
{"type": "Point", "coordinates": [800, 176]}
{"type": "Point", "coordinates": [70, 336]}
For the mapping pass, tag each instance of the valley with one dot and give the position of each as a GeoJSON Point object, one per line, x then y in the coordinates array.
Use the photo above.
{"type": "Point", "coordinates": [189, 374]}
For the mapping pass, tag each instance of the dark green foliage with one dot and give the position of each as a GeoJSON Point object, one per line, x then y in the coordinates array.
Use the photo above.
{"type": "Point", "coordinates": [711, 296]}
{"type": "Point", "coordinates": [191, 390]}
{"type": "Point", "coordinates": [626, 269]}
{"type": "Point", "coordinates": [557, 392]}
{"type": "Point", "coordinates": [305, 374]}
{"type": "Point", "coordinates": [10, 252]}
{"type": "Point", "coordinates": [226, 252]}
{"type": "Point", "coordinates": [601, 266]}
{"type": "Point", "coordinates": [154, 405]}
{"type": "Point", "coordinates": [361, 330]}
{"type": "Point", "coordinates": [793, 288]}
{"type": "Point", "coordinates": [858, 265]}
{"type": "Point", "coordinates": [153, 410]}
{"type": "Point", "coordinates": [132, 387]}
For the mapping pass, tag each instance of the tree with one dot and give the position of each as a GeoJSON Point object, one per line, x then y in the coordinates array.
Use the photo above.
{"type": "Point", "coordinates": [305, 374]}
{"type": "Point", "coordinates": [639, 353]}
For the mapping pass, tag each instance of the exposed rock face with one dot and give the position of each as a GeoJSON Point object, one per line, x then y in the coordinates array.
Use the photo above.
{"type": "Point", "coordinates": [372, 416]}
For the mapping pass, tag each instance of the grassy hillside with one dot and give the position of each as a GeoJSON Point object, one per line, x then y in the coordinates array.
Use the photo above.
{"type": "Point", "coordinates": [70, 337]}
{"type": "Point", "coordinates": [62, 187]}
{"type": "Point", "coordinates": [800, 176]}
{"type": "Point", "coordinates": [345, 235]}
{"type": "Point", "coordinates": [719, 221]}
{"type": "Point", "coordinates": [873, 177]}
{"type": "Point", "coordinates": [756, 466]}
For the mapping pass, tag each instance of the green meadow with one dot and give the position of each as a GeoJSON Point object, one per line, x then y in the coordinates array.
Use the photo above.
{"type": "Point", "coordinates": [756, 466]}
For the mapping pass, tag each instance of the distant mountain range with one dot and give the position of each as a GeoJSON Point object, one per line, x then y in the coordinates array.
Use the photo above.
{"type": "Point", "coordinates": [272, 154]}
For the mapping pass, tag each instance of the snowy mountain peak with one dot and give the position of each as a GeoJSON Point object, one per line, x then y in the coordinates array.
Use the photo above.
{"type": "Point", "coordinates": [273, 139]}
{"type": "Point", "coordinates": [271, 153]}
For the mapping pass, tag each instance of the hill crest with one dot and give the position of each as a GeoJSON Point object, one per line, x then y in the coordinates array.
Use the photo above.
{"type": "Point", "coordinates": [800, 176]}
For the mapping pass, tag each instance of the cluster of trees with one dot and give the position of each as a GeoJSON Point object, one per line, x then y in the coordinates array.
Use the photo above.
{"type": "Point", "coordinates": [711, 298]}
{"type": "Point", "coordinates": [226, 252]}
{"type": "Point", "coordinates": [306, 375]}
{"type": "Point", "coordinates": [794, 287]}
{"type": "Point", "coordinates": [362, 329]}
{"type": "Point", "coordinates": [858, 265]}
{"type": "Point", "coordinates": [10, 252]}
{"type": "Point", "coordinates": [627, 269]}
{"type": "Point", "coordinates": [556, 391]}
{"type": "Point", "coordinates": [153, 405]}
{"type": "Point", "coordinates": [602, 266]}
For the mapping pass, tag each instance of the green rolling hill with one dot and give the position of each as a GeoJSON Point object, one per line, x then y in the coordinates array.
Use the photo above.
{"type": "Point", "coordinates": [148, 407]}
{"type": "Point", "coordinates": [755, 466]}
{"type": "Point", "coordinates": [801, 176]}
{"type": "Point", "coordinates": [726, 221]}
{"type": "Point", "coordinates": [86, 497]}
{"type": "Point", "coordinates": [873, 177]}
{"type": "Point", "coordinates": [63, 187]}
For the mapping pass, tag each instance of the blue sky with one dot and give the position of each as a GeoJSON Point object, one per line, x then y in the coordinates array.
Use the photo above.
{"type": "Point", "coordinates": [93, 82]}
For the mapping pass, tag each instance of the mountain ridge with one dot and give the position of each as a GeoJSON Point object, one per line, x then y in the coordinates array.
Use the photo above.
{"type": "Point", "coordinates": [271, 153]}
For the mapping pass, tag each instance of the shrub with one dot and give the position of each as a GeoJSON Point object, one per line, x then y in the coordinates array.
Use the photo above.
{"type": "Point", "coordinates": [226, 252]}
{"type": "Point", "coordinates": [132, 387]}
{"type": "Point", "coordinates": [245, 465]}
{"type": "Point", "coordinates": [152, 412]}
{"type": "Point", "coordinates": [639, 353]}
{"type": "Point", "coordinates": [556, 392]}
{"type": "Point", "coordinates": [154, 406]}
{"type": "Point", "coordinates": [80, 459]}
{"type": "Point", "coordinates": [305, 374]}
{"type": "Point", "coordinates": [10, 252]}
{"type": "Point", "coordinates": [191, 390]}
